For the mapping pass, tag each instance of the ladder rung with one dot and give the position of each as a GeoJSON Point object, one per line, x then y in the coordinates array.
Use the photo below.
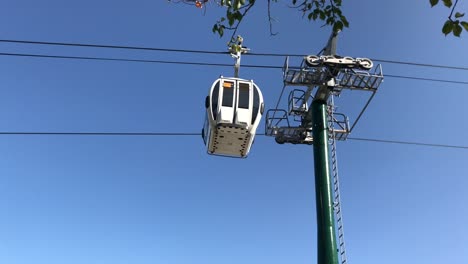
{"type": "Point", "coordinates": [334, 164]}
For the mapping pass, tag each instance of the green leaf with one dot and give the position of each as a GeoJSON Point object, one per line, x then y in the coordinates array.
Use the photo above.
{"type": "Point", "coordinates": [433, 2]}
{"type": "Point", "coordinates": [338, 2]}
{"type": "Point", "coordinates": [345, 21]}
{"type": "Point", "coordinates": [457, 30]}
{"type": "Point", "coordinates": [237, 4]}
{"type": "Point", "coordinates": [315, 15]}
{"type": "Point", "coordinates": [230, 17]}
{"type": "Point", "coordinates": [322, 15]}
{"type": "Point", "coordinates": [337, 11]}
{"type": "Point", "coordinates": [238, 16]}
{"type": "Point", "coordinates": [447, 3]}
{"type": "Point", "coordinates": [221, 31]}
{"type": "Point", "coordinates": [465, 25]}
{"type": "Point", "coordinates": [458, 15]}
{"type": "Point", "coordinates": [338, 26]}
{"type": "Point", "coordinates": [447, 28]}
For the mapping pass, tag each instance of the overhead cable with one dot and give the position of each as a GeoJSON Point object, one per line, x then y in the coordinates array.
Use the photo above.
{"type": "Point", "coordinates": [99, 134]}
{"type": "Point", "coordinates": [408, 143]}
{"type": "Point", "coordinates": [153, 134]}
{"type": "Point", "coordinates": [198, 63]}
{"type": "Point", "coordinates": [84, 45]}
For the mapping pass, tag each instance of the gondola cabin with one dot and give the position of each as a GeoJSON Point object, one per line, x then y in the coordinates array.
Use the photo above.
{"type": "Point", "coordinates": [234, 108]}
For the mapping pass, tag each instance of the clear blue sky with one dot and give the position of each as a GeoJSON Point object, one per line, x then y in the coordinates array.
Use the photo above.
{"type": "Point", "coordinates": [70, 199]}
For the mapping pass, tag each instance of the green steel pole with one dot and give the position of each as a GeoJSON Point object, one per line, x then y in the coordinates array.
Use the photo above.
{"type": "Point", "coordinates": [326, 240]}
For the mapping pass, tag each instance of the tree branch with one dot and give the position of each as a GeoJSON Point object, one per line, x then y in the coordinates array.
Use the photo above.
{"type": "Point", "coordinates": [453, 9]}
{"type": "Point", "coordinates": [247, 9]}
{"type": "Point", "coordinates": [270, 19]}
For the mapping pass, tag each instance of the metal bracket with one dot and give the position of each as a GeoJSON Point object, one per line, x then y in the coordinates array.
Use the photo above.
{"type": "Point", "coordinates": [320, 79]}
{"type": "Point", "coordinates": [236, 50]}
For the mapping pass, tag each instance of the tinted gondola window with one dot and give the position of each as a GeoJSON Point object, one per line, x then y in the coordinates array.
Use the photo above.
{"type": "Point", "coordinates": [256, 104]}
{"type": "Point", "coordinates": [214, 100]}
{"type": "Point", "coordinates": [244, 91]}
{"type": "Point", "coordinates": [228, 93]}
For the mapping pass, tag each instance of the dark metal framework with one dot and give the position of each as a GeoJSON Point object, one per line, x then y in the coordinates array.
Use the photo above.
{"type": "Point", "coordinates": [289, 126]}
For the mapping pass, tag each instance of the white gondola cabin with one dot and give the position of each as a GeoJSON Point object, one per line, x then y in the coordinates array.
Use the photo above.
{"type": "Point", "coordinates": [234, 108]}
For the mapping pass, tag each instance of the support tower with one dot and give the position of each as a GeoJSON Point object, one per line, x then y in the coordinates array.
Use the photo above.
{"type": "Point", "coordinates": [310, 118]}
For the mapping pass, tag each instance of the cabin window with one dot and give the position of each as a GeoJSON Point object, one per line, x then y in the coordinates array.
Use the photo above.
{"type": "Point", "coordinates": [244, 92]}
{"type": "Point", "coordinates": [214, 100]}
{"type": "Point", "coordinates": [228, 93]}
{"type": "Point", "coordinates": [256, 104]}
